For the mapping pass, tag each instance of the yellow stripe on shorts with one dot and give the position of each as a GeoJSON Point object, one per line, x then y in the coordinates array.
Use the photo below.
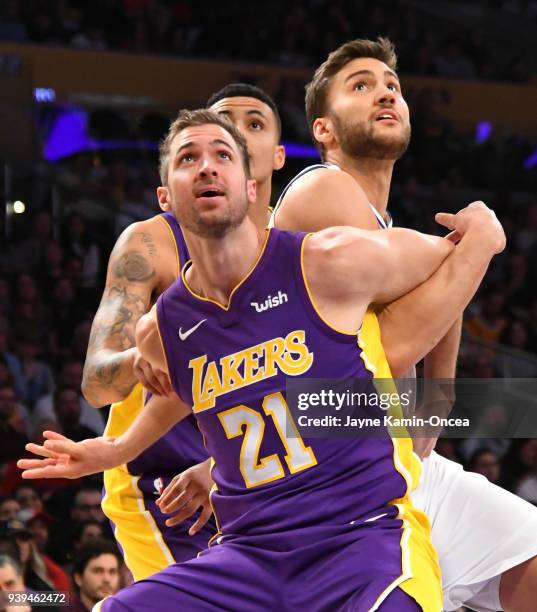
{"type": "Point", "coordinates": [420, 577]}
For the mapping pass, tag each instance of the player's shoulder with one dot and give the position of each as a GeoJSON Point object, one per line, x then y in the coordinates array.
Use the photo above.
{"type": "Point", "coordinates": [149, 234]}
{"type": "Point", "coordinates": [332, 242]}
{"type": "Point", "coordinates": [326, 179]}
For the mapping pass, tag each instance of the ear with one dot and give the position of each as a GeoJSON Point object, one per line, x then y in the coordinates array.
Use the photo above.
{"type": "Point", "coordinates": [78, 579]}
{"type": "Point", "coordinates": [163, 198]}
{"type": "Point", "coordinates": [279, 157]}
{"type": "Point", "coordinates": [323, 130]}
{"type": "Point", "coordinates": [251, 190]}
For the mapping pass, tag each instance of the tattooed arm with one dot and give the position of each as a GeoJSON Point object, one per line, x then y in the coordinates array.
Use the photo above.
{"type": "Point", "coordinates": [134, 276]}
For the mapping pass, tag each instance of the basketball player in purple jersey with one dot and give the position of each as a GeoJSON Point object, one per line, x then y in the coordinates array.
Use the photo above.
{"type": "Point", "coordinates": [146, 259]}
{"type": "Point", "coordinates": [360, 122]}
{"type": "Point", "coordinates": [281, 526]}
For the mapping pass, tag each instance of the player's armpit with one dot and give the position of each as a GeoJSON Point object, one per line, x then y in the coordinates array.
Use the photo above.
{"type": "Point", "coordinates": [324, 198]}
{"type": "Point", "coordinates": [131, 280]}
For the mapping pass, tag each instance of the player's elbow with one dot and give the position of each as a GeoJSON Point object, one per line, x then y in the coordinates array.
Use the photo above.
{"type": "Point", "coordinates": [91, 394]}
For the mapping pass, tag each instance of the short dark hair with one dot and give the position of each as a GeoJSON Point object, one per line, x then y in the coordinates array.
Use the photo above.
{"type": "Point", "coordinates": [236, 90]}
{"type": "Point", "coordinates": [91, 550]}
{"type": "Point", "coordinates": [317, 89]}
{"type": "Point", "coordinates": [191, 118]}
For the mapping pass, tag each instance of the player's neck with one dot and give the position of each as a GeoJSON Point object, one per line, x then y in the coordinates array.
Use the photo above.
{"type": "Point", "coordinates": [220, 264]}
{"type": "Point", "coordinates": [259, 212]}
{"type": "Point", "coordinates": [373, 175]}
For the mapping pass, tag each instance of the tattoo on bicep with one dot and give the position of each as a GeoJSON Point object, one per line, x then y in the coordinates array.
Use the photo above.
{"type": "Point", "coordinates": [133, 267]}
{"type": "Point", "coordinates": [147, 239]}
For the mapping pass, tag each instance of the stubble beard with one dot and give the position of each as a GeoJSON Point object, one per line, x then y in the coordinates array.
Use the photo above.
{"type": "Point", "coordinates": [359, 140]}
{"type": "Point", "coordinates": [215, 228]}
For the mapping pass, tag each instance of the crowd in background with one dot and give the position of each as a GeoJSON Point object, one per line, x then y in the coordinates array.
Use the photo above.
{"type": "Point", "coordinates": [53, 263]}
{"type": "Point", "coordinates": [301, 33]}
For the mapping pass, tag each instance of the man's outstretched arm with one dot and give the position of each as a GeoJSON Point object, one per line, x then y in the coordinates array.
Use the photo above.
{"type": "Point", "coordinates": [64, 458]}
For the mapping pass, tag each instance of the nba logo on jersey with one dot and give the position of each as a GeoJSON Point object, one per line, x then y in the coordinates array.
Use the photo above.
{"type": "Point", "coordinates": [158, 484]}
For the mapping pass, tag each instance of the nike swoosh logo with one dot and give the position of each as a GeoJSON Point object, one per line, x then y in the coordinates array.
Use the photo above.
{"type": "Point", "coordinates": [183, 335]}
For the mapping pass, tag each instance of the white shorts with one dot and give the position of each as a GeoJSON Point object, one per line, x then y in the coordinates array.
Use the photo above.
{"type": "Point", "coordinates": [478, 529]}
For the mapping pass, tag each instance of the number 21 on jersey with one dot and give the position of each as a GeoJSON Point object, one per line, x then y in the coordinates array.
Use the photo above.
{"type": "Point", "coordinates": [243, 420]}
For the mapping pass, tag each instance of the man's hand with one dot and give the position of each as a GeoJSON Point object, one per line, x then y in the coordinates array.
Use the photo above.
{"type": "Point", "coordinates": [185, 494]}
{"type": "Point", "coordinates": [64, 458]}
{"type": "Point", "coordinates": [155, 381]}
{"type": "Point", "coordinates": [478, 217]}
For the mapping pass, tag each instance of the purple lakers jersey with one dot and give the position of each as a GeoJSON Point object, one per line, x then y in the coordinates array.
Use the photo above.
{"type": "Point", "coordinates": [230, 364]}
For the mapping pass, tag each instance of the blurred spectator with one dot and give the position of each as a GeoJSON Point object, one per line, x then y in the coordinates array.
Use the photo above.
{"type": "Point", "coordinates": [516, 363]}
{"type": "Point", "coordinates": [87, 504]}
{"type": "Point", "coordinates": [520, 461]}
{"type": "Point", "coordinates": [87, 531]}
{"type": "Point", "coordinates": [51, 268]}
{"type": "Point", "coordinates": [486, 463]}
{"type": "Point", "coordinates": [77, 241]}
{"type": "Point", "coordinates": [96, 573]}
{"type": "Point", "coordinates": [9, 508]}
{"type": "Point", "coordinates": [39, 571]}
{"type": "Point", "coordinates": [14, 365]}
{"type": "Point", "coordinates": [70, 376]}
{"type": "Point", "coordinates": [12, 441]}
{"type": "Point", "coordinates": [39, 526]}
{"type": "Point", "coordinates": [490, 432]}
{"type": "Point", "coordinates": [67, 402]}
{"type": "Point", "coordinates": [489, 323]}
{"type": "Point", "coordinates": [11, 579]}
{"type": "Point", "coordinates": [65, 313]}
{"type": "Point", "coordinates": [37, 374]}
{"type": "Point", "coordinates": [29, 500]}
{"type": "Point", "coordinates": [26, 256]}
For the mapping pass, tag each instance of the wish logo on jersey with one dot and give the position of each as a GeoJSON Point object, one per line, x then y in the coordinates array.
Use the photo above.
{"type": "Point", "coordinates": [271, 302]}
{"type": "Point", "coordinates": [289, 355]}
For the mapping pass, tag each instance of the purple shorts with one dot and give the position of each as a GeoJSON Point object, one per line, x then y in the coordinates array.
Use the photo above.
{"type": "Point", "coordinates": [318, 569]}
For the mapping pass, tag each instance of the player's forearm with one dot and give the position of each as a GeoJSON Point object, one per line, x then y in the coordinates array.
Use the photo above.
{"type": "Point", "coordinates": [108, 376]}
{"type": "Point", "coordinates": [159, 415]}
{"type": "Point", "coordinates": [413, 258]}
{"type": "Point", "coordinates": [415, 323]}
{"type": "Point", "coordinates": [441, 362]}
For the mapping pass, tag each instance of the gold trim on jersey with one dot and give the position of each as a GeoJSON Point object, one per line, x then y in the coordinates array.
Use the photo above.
{"type": "Point", "coordinates": [235, 288]}
{"type": "Point", "coordinates": [177, 257]}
